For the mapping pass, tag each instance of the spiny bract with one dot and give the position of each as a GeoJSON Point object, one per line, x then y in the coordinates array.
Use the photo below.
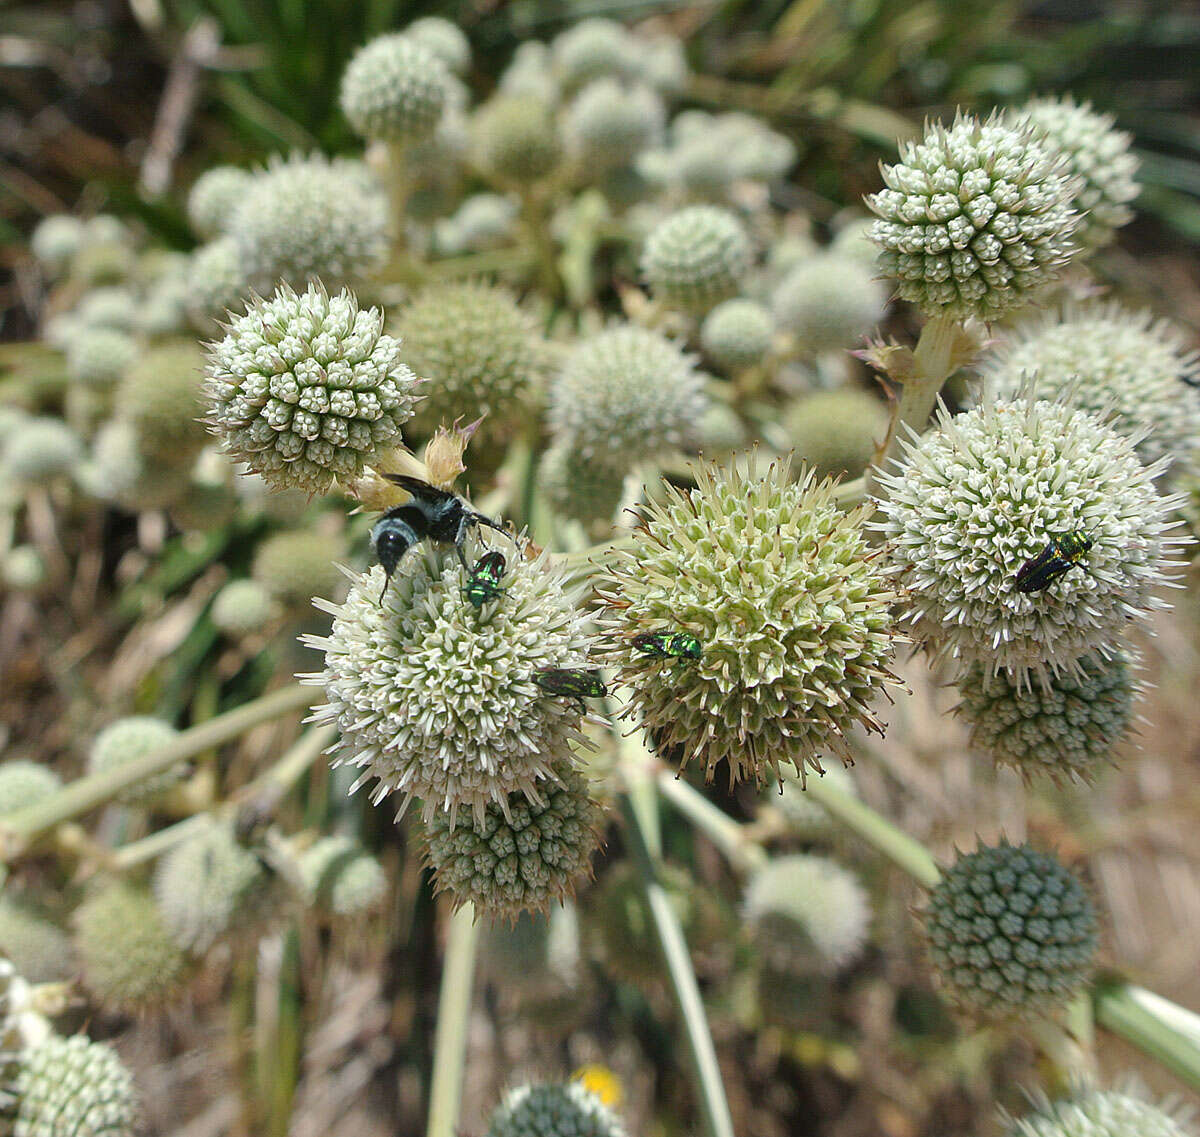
{"type": "Point", "coordinates": [71, 1087]}
{"type": "Point", "coordinates": [568, 1110]}
{"type": "Point", "coordinates": [784, 593]}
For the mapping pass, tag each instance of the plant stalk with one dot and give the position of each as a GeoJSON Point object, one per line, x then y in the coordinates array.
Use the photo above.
{"type": "Point", "coordinates": [1159, 1028]}
{"type": "Point", "coordinates": [742, 851]}
{"type": "Point", "coordinates": [453, 1014]}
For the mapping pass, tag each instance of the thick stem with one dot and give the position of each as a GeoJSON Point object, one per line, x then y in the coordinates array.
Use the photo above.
{"type": "Point", "coordinates": [453, 1014]}
{"type": "Point", "coordinates": [1156, 1026]}
{"type": "Point", "coordinates": [742, 851]}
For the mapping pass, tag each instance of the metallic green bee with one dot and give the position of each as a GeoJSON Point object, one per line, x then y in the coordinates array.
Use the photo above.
{"type": "Point", "coordinates": [577, 683]}
{"type": "Point", "coordinates": [483, 581]}
{"type": "Point", "coordinates": [1060, 555]}
{"type": "Point", "coordinates": [668, 645]}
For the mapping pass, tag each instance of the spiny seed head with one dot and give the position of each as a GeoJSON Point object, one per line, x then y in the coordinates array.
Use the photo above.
{"type": "Point", "coordinates": [40, 950]}
{"type": "Point", "coordinates": [56, 240]}
{"type": "Point", "coordinates": [242, 607]}
{"type": "Point", "coordinates": [608, 123]}
{"type": "Point", "coordinates": [444, 39]}
{"type": "Point", "coordinates": [625, 395]}
{"type": "Point", "coordinates": [982, 493]}
{"type": "Point", "coordinates": [1101, 356]}
{"type": "Point", "coordinates": [524, 855]}
{"type": "Point", "coordinates": [305, 388]}
{"type": "Point", "coordinates": [160, 397]}
{"type": "Point", "coordinates": [217, 282]}
{"type": "Point", "coordinates": [516, 138]}
{"type": "Point", "coordinates": [1066, 728]}
{"type": "Point", "coordinates": [213, 198]}
{"type": "Point", "coordinates": [696, 257]}
{"type": "Point", "coordinates": [394, 89]}
{"type": "Point", "coordinates": [807, 913]}
{"type": "Point", "coordinates": [1099, 1113]}
{"type": "Point", "coordinates": [341, 877]}
{"type": "Point", "coordinates": [43, 449]}
{"type": "Point", "coordinates": [310, 217]}
{"type": "Point", "coordinates": [436, 700]}
{"type": "Point", "coordinates": [130, 960]}
{"type": "Point", "coordinates": [829, 302]}
{"type": "Point", "coordinates": [976, 217]}
{"type": "Point", "coordinates": [98, 357]}
{"type": "Point", "coordinates": [70, 1087]}
{"type": "Point", "coordinates": [786, 597]}
{"type": "Point", "coordinates": [127, 740]}
{"type": "Point", "coordinates": [737, 334]}
{"type": "Point", "coordinates": [580, 487]}
{"type": "Point", "coordinates": [207, 885]}
{"type": "Point", "coordinates": [836, 432]}
{"type": "Point", "coordinates": [1097, 155]}
{"type": "Point", "coordinates": [567, 1110]}
{"type": "Point", "coordinates": [475, 348]}
{"type": "Point", "coordinates": [294, 567]}
{"type": "Point", "coordinates": [23, 783]}
{"type": "Point", "coordinates": [1011, 931]}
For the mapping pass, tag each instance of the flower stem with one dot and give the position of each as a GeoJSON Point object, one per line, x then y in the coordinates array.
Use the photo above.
{"type": "Point", "coordinates": [21, 828]}
{"type": "Point", "coordinates": [454, 1009]}
{"type": "Point", "coordinates": [742, 851]}
{"type": "Point", "coordinates": [1165, 1031]}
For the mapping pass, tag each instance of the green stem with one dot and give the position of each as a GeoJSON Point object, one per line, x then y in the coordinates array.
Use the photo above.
{"type": "Point", "coordinates": [742, 851]}
{"type": "Point", "coordinates": [454, 1008]}
{"type": "Point", "coordinates": [1156, 1026]}
{"type": "Point", "coordinates": [21, 828]}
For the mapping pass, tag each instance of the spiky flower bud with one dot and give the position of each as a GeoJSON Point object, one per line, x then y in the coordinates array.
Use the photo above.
{"type": "Point", "coordinates": [567, 1110]}
{"type": "Point", "coordinates": [444, 39]}
{"type": "Point", "coordinates": [580, 487]}
{"type": "Point", "coordinates": [696, 257]}
{"type": "Point", "coordinates": [437, 700]}
{"type": "Point", "coordinates": [625, 395]}
{"type": "Point", "coordinates": [394, 89]}
{"type": "Point", "coordinates": [476, 348]}
{"type": "Point", "coordinates": [71, 1087]}
{"type": "Point", "coordinates": [608, 123]}
{"type": "Point", "coordinates": [1101, 356]}
{"type": "Point", "coordinates": [808, 913]}
{"type": "Point", "coordinates": [39, 950]}
{"type": "Point", "coordinates": [56, 240]}
{"type": "Point", "coordinates": [737, 334]}
{"type": "Point", "coordinates": [836, 432]}
{"type": "Point", "coordinates": [829, 302]}
{"type": "Point", "coordinates": [983, 493]}
{"type": "Point", "coordinates": [127, 740]}
{"type": "Point", "coordinates": [98, 357]}
{"type": "Point", "coordinates": [296, 566]}
{"type": "Point", "coordinates": [25, 783]}
{"type": "Point", "coordinates": [160, 396]}
{"type": "Point", "coordinates": [305, 388]}
{"type": "Point", "coordinates": [524, 855]}
{"type": "Point", "coordinates": [216, 282]}
{"type": "Point", "coordinates": [311, 217]}
{"type": "Point", "coordinates": [130, 960]}
{"type": "Point", "coordinates": [43, 449]}
{"type": "Point", "coordinates": [213, 198]}
{"type": "Point", "coordinates": [1097, 155]}
{"type": "Point", "coordinates": [206, 886]}
{"type": "Point", "coordinates": [975, 218]}
{"type": "Point", "coordinates": [341, 877]}
{"type": "Point", "coordinates": [591, 49]}
{"type": "Point", "coordinates": [242, 607]}
{"type": "Point", "coordinates": [1066, 728]}
{"type": "Point", "coordinates": [516, 138]}
{"type": "Point", "coordinates": [1098, 1113]}
{"type": "Point", "coordinates": [790, 607]}
{"type": "Point", "coordinates": [1011, 931]}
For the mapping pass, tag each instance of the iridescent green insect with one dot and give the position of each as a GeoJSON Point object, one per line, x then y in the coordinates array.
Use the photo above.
{"type": "Point", "coordinates": [576, 683]}
{"type": "Point", "coordinates": [668, 645]}
{"type": "Point", "coordinates": [483, 581]}
{"type": "Point", "coordinates": [1060, 555]}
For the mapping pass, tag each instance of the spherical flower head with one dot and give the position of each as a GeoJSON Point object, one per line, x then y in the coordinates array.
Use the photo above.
{"type": "Point", "coordinates": [516, 138]}
{"type": "Point", "coordinates": [567, 1110]}
{"type": "Point", "coordinates": [205, 886]}
{"type": "Point", "coordinates": [1098, 1113]}
{"type": "Point", "coordinates": [720, 430]}
{"type": "Point", "coordinates": [130, 961]}
{"type": "Point", "coordinates": [524, 856]}
{"type": "Point", "coordinates": [807, 913]}
{"type": "Point", "coordinates": [127, 740]}
{"type": "Point", "coordinates": [1097, 155]}
{"type": "Point", "coordinates": [102, 263]}
{"type": "Point", "coordinates": [294, 567]}
{"type": "Point", "coordinates": [789, 604]}
{"type": "Point", "coordinates": [530, 74]}
{"type": "Point", "coordinates": [829, 302]}
{"type": "Point", "coordinates": [214, 197]}
{"type": "Point", "coordinates": [56, 240]}
{"type": "Point", "coordinates": [481, 222]}
{"type": "Point", "coordinates": [625, 395]}
{"type": "Point", "coordinates": [242, 607]}
{"type": "Point", "coordinates": [976, 218]}
{"type": "Point", "coordinates": [341, 877]}
{"type": "Point", "coordinates": [394, 89]}
{"type": "Point", "coordinates": [1011, 931]}
{"type": "Point", "coordinates": [306, 388]}
{"type": "Point", "coordinates": [160, 397]}
{"type": "Point", "coordinates": [591, 49]}
{"type": "Point", "coordinates": [983, 493]}
{"type": "Point", "coordinates": [311, 217]}
{"type": "Point", "coordinates": [44, 449]}
{"type": "Point", "coordinates": [853, 241]}
{"type": "Point", "coordinates": [39, 950]}
{"type": "Point", "coordinates": [477, 350]}
{"type": "Point", "coordinates": [216, 282]}
{"type": "Point", "coordinates": [696, 257]}
{"type": "Point", "coordinates": [98, 357]}
{"type": "Point", "coordinates": [110, 307]}
{"type": "Point", "coordinates": [444, 39]}
{"type": "Point", "coordinates": [1101, 356]}
{"type": "Point", "coordinates": [1066, 728]}
{"type": "Point", "coordinates": [23, 783]}
{"type": "Point", "coordinates": [580, 487]}
{"type": "Point", "coordinates": [73, 1086]}
{"type": "Point", "coordinates": [737, 334]}
{"type": "Point", "coordinates": [437, 700]}
{"type": "Point", "coordinates": [807, 818]}
{"type": "Point", "coordinates": [837, 432]}
{"type": "Point", "coordinates": [608, 122]}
